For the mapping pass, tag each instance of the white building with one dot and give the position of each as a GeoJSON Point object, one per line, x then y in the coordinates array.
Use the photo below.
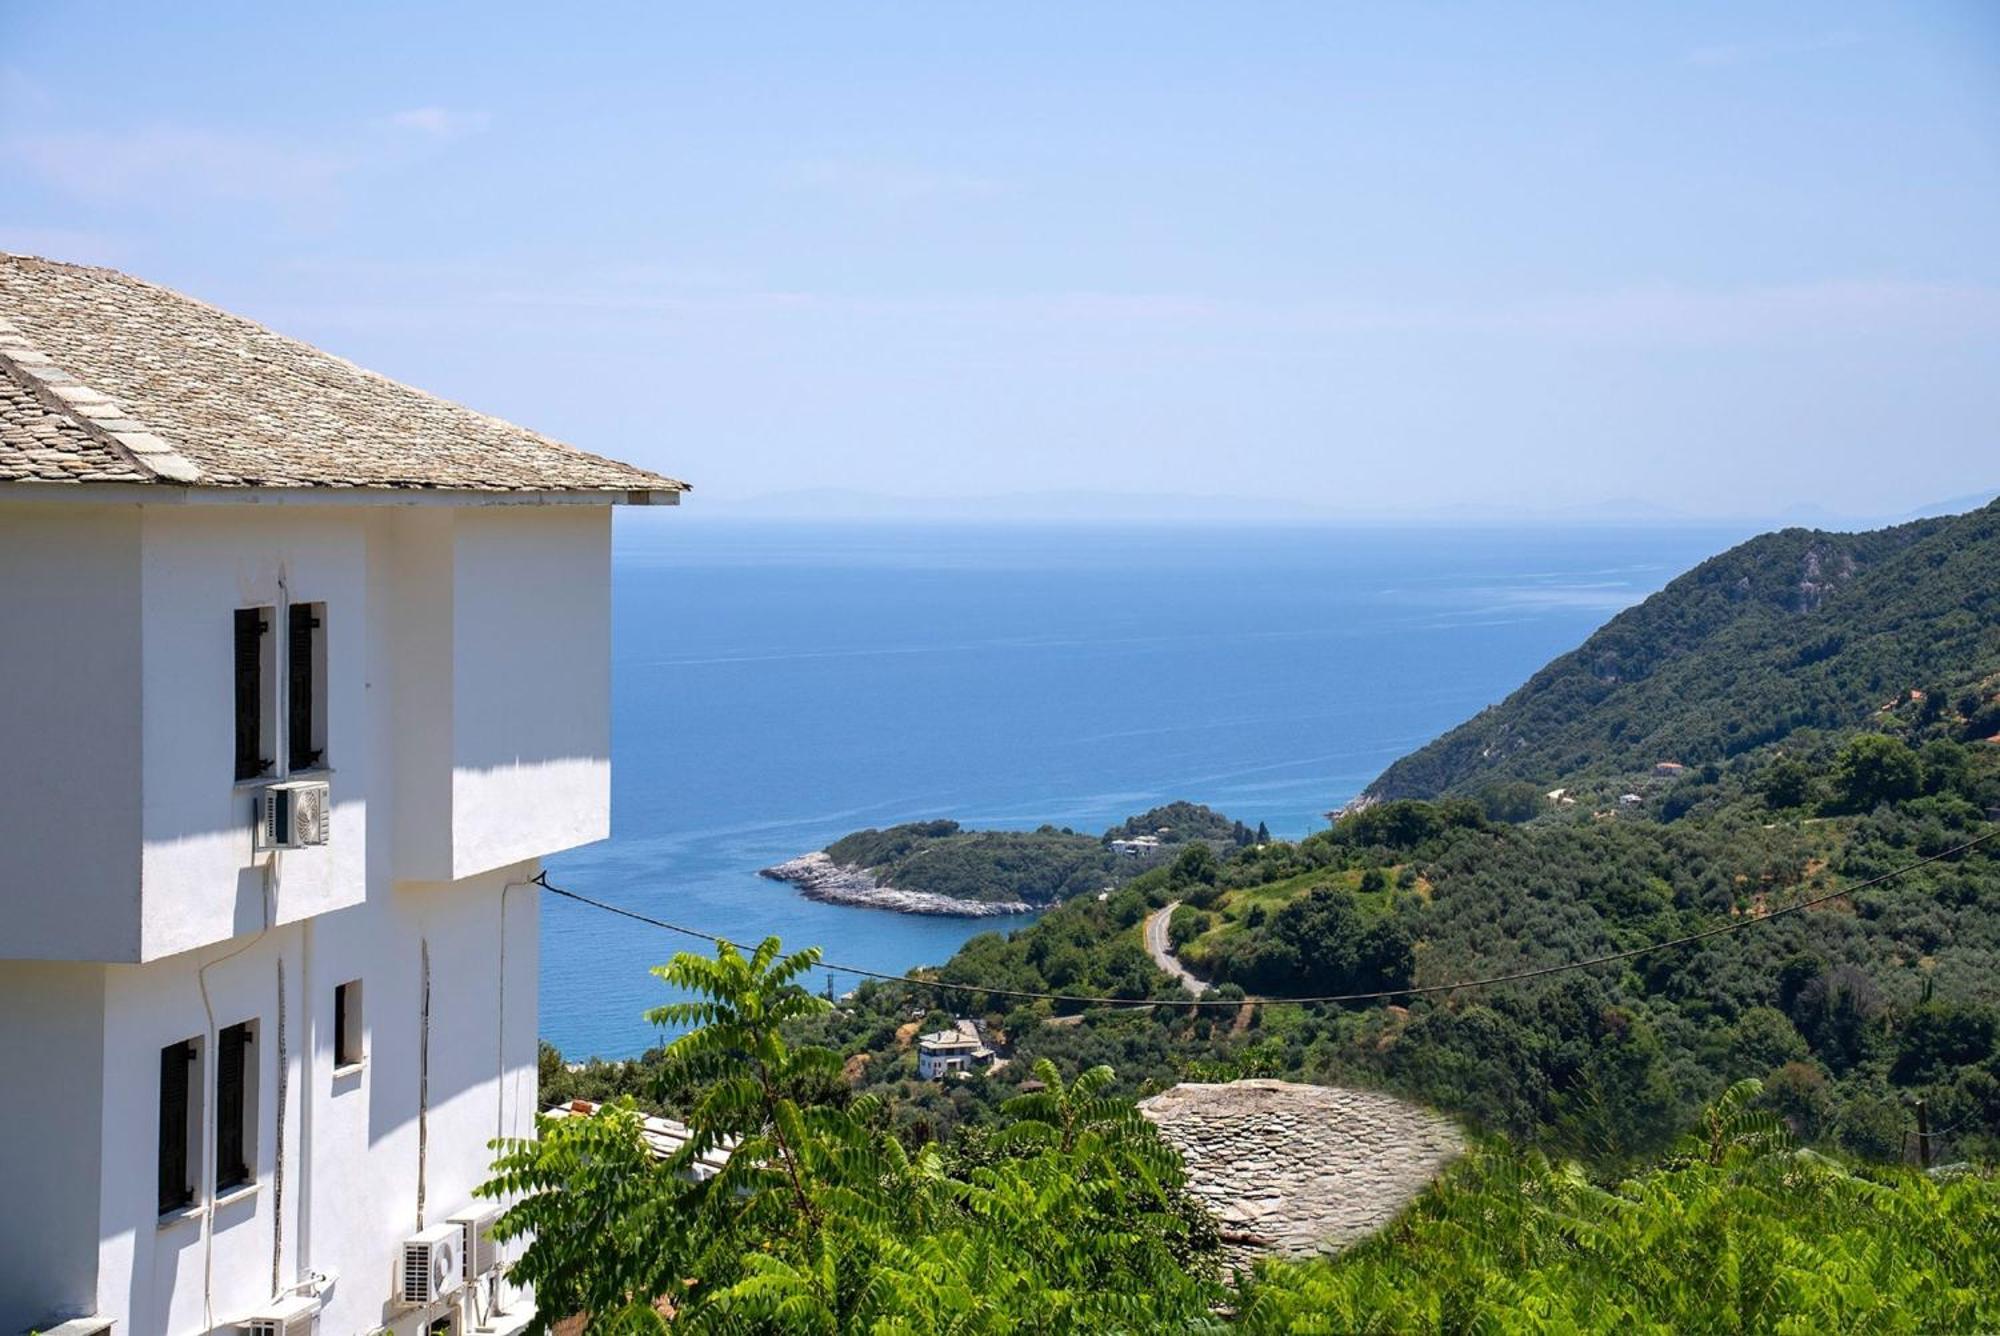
{"type": "Point", "coordinates": [945, 1052]}
{"type": "Point", "coordinates": [238, 1077]}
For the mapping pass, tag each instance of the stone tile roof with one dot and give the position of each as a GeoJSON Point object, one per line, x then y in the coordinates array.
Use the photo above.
{"type": "Point", "coordinates": [39, 444]}
{"type": "Point", "coordinates": [104, 377]}
{"type": "Point", "coordinates": [1299, 1169]}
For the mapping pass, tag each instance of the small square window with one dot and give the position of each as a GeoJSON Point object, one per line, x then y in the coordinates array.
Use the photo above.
{"type": "Point", "coordinates": [349, 1045]}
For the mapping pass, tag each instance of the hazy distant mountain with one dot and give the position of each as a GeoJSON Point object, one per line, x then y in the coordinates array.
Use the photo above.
{"type": "Point", "coordinates": [1956, 505]}
{"type": "Point", "coordinates": [1111, 507]}
{"type": "Point", "coordinates": [846, 504]}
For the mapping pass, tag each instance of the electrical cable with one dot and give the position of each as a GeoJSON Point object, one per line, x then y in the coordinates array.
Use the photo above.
{"type": "Point", "coordinates": [1937, 1132]}
{"type": "Point", "coordinates": [1127, 1004]}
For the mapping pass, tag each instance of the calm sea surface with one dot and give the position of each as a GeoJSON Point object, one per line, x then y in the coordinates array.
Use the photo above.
{"type": "Point", "coordinates": [776, 686]}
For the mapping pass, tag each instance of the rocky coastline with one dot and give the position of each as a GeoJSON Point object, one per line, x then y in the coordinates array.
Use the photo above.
{"type": "Point", "coordinates": [818, 877]}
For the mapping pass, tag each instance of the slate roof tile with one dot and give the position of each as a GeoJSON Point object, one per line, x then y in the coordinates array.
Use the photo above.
{"type": "Point", "coordinates": [105, 377]}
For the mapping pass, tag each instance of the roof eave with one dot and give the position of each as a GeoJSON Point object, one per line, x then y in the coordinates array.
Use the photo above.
{"type": "Point", "coordinates": [162, 493]}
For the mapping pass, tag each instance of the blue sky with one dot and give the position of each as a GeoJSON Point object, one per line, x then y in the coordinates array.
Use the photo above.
{"type": "Point", "coordinates": [1724, 259]}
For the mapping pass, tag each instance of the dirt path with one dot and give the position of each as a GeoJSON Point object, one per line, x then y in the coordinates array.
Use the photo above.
{"type": "Point", "coordinates": [1158, 947]}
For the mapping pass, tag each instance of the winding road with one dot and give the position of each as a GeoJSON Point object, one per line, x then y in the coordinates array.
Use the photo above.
{"type": "Point", "coordinates": [1162, 952]}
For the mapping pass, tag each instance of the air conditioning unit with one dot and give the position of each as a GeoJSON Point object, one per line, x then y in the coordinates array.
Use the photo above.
{"type": "Point", "coordinates": [296, 1316]}
{"type": "Point", "coordinates": [431, 1265]}
{"type": "Point", "coordinates": [477, 1248]}
{"type": "Point", "coordinates": [293, 815]}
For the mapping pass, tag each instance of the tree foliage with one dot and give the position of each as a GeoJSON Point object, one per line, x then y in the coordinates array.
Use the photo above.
{"type": "Point", "coordinates": [1074, 1218]}
{"type": "Point", "coordinates": [1737, 1231]}
{"type": "Point", "coordinates": [1791, 630]}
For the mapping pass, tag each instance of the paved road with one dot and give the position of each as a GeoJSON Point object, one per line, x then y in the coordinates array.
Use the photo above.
{"type": "Point", "coordinates": [1163, 954]}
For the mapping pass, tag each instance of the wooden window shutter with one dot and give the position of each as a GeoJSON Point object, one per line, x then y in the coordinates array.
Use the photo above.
{"type": "Point", "coordinates": [175, 1062]}
{"type": "Point", "coordinates": [232, 1049]}
{"type": "Point", "coordinates": [300, 658]}
{"type": "Point", "coordinates": [250, 761]}
{"type": "Point", "coordinates": [340, 1048]}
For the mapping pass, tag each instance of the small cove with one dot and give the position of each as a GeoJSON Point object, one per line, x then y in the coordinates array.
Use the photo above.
{"type": "Point", "coordinates": [776, 686]}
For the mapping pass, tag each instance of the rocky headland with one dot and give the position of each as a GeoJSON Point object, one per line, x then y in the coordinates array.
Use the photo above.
{"type": "Point", "coordinates": [818, 877]}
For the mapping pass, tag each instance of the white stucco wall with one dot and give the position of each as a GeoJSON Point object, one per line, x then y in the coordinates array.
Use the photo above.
{"type": "Point", "coordinates": [69, 732]}
{"type": "Point", "coordinates": [199, 564]}
{"type": "Point", "coordinates": [467, 736]}
{"type": "Point", "coordinates": [531, 732]}
{"type": "Point", "coordinates": [350, 1141]}
{"type": "Point", "coordinates": [412, 578]}
{"type": "Point", "coordinates": [467, 677]}
{"type": "Point", "coordinates": [51, 1140]}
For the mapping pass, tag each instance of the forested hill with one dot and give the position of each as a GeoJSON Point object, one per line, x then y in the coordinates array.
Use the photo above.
{"type": "Point", "coordinates": [1795, 629]}
{"type": "Point", "coordinates": [1039, 867]}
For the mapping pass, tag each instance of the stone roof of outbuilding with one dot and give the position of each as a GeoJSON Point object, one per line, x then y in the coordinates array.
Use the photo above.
{"type": "Point", "coordinates": [107, 378]}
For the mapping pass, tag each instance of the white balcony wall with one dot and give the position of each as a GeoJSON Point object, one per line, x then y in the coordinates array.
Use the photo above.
{"type": "Point", "coordinates": [531, 729]}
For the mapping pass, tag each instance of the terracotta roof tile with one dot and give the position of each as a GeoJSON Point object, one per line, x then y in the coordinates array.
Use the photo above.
{"type": "Point", "coordinates": [104, 377]}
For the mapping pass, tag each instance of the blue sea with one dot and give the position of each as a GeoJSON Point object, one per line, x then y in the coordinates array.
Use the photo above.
{"type": "Point", "coordinates": [776, 686]}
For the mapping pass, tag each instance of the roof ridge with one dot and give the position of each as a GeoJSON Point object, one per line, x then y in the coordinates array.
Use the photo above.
{"type": "Point", "coordinates": [96, 413]}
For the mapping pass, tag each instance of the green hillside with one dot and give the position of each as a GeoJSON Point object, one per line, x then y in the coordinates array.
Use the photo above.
{"type": "Point", "coordinates": [1791, 630]}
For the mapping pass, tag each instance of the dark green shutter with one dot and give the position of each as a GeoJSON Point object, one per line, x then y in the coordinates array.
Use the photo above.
{"type": "Point", "coordinates": [175, 1061]}
{"type": "Point", "coordinates": [250, 763]}
{"type": "Point", "coordinates": [232, 1051]}
{"type": "Point", "coordinates": [341, 1048]}
{"type": "Point", "coordinates": [300, 659]}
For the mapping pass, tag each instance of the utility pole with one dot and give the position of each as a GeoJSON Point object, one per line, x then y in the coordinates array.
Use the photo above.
{"type": "Point", "coordinates": [1923, 1134]}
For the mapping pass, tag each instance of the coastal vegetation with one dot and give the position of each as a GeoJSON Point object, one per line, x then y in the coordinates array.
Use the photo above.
{"type": "Point", "coordinates": [1793, 630]}
{"type": "Point", "coordinates": [1025, 867]}
{"type": "Point", "coordinates": [1850, 1012]}
{"type": "Point", "coordinates": [1733, 1231]}
{"type": "Point", "coordinates": [942, 858]}
{"type": "Point", "coordinates": [1781, 765]}
{"type": "Point", "coordinates": [1067, 1213]}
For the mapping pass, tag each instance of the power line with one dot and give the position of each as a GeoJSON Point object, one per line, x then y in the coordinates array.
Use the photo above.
{"type": "Point", "coordinates": [1127, 1004]}
{"type": "Point", "coordinates": [1940, 1132]}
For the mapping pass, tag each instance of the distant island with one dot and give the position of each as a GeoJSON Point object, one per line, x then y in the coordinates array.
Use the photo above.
{"type": "Point", "coordinates": [939, 867]}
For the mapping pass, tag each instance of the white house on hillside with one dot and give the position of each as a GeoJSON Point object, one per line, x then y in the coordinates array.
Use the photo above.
{"type": "Point", "coordinates": [302, 672]}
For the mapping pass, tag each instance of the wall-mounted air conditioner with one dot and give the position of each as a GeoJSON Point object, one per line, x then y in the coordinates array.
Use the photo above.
{"type": "Point", "coordinates": [295, 1316]}
{"type": "Point", "coordinates": [477, 1248]}
{"type": "Point", "coordinates": [293, 815]}
{"type": "Point", "coordinates": [431, 1267]}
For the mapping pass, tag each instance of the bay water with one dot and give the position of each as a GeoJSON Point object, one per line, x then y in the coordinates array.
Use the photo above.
{"type": "Point", "coordinates": [777, 685]}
